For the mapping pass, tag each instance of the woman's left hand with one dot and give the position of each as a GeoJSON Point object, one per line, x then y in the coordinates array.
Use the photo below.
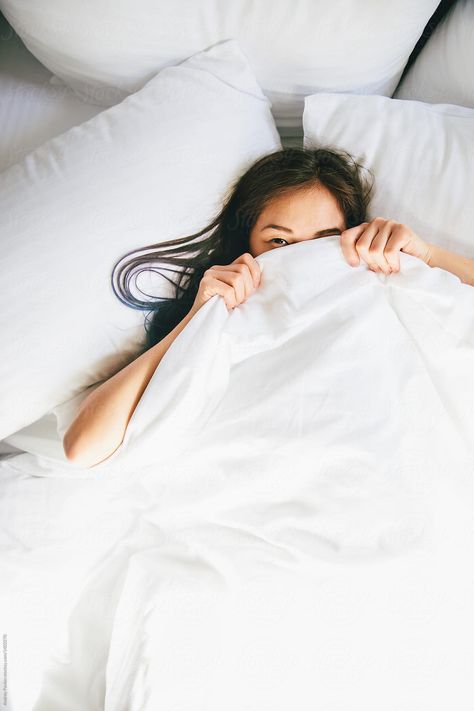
{"type": "Point", "coordinates": [378, 243]}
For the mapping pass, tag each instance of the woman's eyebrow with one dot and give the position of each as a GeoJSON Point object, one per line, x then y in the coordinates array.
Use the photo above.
{"type": "Point", "coordinates": [321, 233]}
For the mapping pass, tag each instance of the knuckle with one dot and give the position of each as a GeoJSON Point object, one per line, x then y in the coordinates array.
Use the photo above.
{"type": "Point", "coordinates": [245, 257]}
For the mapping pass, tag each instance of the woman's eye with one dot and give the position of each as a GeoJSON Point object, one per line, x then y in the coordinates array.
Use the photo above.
{"type": "Point", "coordinates": [279, 238]}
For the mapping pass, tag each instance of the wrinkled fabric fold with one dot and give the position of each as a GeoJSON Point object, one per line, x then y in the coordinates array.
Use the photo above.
{"type": "Point", "coordinates": [415, 325]}
{"type": "Point", "coordinates": [291, 507]}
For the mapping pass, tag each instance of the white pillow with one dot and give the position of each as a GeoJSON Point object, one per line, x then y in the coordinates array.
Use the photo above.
{"type": "Point", "coordinates": [152, 168]}
{"type": "Point", "coordinates": [444, 70]}
{"type": "Point", "coordinates": [421, 155]}
{"type": "Point", "coordinates": [295, 47]}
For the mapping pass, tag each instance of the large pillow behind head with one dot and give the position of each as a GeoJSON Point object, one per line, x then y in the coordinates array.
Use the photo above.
{"type": "Point", "coordinates": [421, 155]}
{"type": "Point", "coordinates": [444, 70]}
{"type": "Point", "coordinates": [152, 168]}
{"type": "Point", "coordinates": [105, 50]}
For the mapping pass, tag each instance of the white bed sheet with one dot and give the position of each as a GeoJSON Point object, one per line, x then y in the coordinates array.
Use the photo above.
{"type": "Point", "coordinates": [32, 109]}
{"type": "Point", "coordinates": [295, 531]}
{"type": "Point", "coordinates": [120, 600]}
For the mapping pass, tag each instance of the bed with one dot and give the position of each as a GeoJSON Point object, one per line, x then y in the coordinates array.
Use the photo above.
{"type": "Point", "coordinates": [235, 568]}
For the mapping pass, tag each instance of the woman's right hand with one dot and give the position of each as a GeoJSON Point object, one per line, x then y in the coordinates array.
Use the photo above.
{"type": "Point", "coordinates": [235, 282]}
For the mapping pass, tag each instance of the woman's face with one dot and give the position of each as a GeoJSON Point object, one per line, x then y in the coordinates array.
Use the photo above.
{"type": "Point", "coordinates": [296, 216]}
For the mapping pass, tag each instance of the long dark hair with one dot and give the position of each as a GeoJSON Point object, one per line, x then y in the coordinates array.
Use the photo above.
{"type": "Point", "coordinates": [229, 232]}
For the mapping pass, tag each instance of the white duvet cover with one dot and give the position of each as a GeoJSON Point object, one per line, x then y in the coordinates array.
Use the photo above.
{"type": "Point", "coordinates": [287, 523]}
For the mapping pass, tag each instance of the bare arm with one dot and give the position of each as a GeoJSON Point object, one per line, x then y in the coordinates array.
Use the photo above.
{"type": "Point", "coordinates": [103, 416]}
{"type": "Point", "coordinates": [462, 267]}
{"type": "Point", "coordinates": [100, 424]}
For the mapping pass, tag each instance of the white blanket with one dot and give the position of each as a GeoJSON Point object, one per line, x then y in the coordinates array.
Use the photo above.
{"type": "Point", "coordinates": [288, 522]}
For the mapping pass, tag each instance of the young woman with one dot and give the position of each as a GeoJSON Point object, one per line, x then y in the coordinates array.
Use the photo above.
{"type": "Point", "coordinates": [287, 196]}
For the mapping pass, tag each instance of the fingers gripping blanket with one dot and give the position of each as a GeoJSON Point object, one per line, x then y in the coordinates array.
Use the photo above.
{"type": "Point", "coordinates": [318, 410]}
{"type": "Point", "coordinates": [288, 517]}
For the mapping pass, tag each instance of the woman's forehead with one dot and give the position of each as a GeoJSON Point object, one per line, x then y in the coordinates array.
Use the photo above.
{"type": "Point", "coordinates": [306, 205]}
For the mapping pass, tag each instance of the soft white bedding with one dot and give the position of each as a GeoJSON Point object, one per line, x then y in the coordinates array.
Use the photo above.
{"type": "Point", "coordinates": [288, 522]}
{"type": "Point", "coordinates": [32, 109]}
{"type": "Point", "coordinates": [35, 107]}
{"type": "Point", "coordinates": [74, 206]}
{"type": "Point", "coordinates": [309, 545]}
